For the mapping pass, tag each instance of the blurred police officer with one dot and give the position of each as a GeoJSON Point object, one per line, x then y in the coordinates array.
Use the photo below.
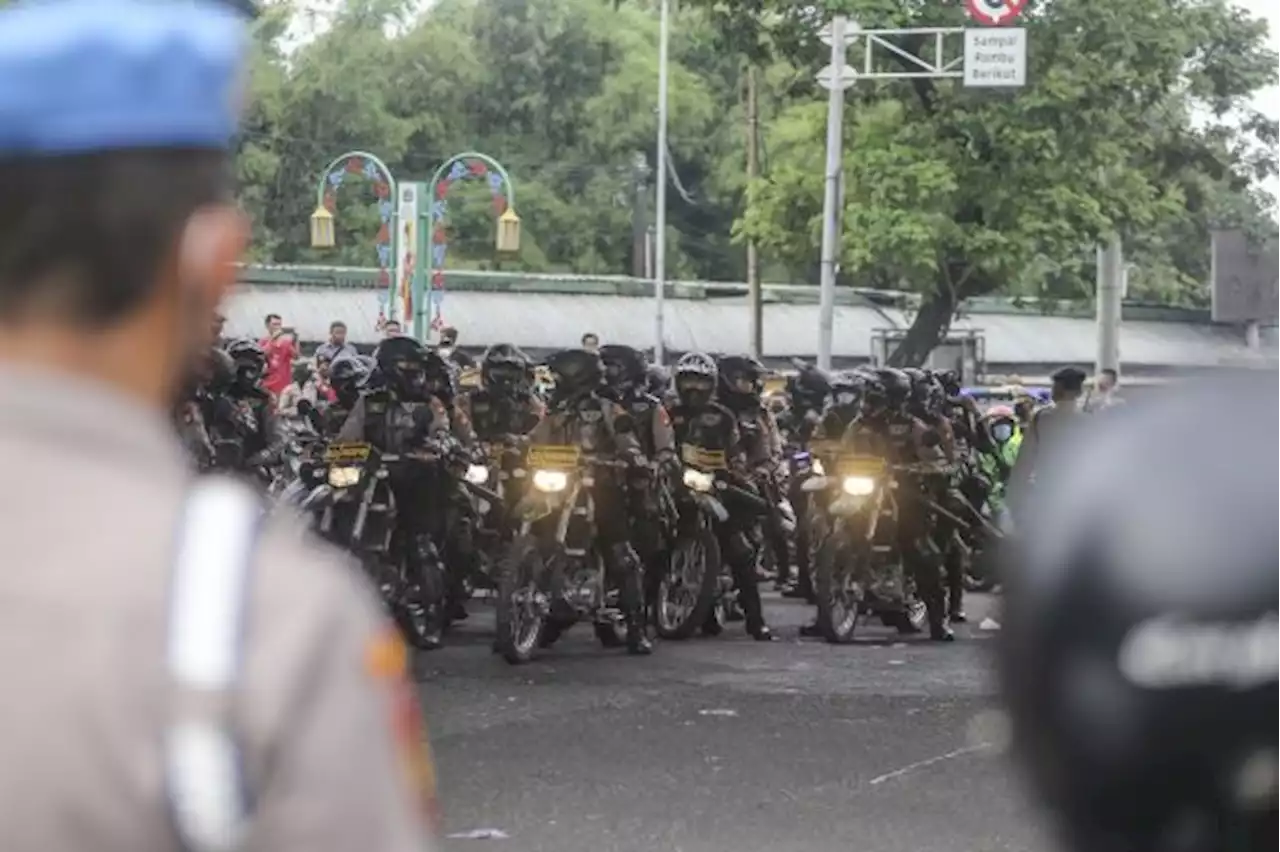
{"type": "Point", "coordinates": [181, 673]}
{"type": "Point", "coordinates": [1141, 639]}
{"type": "Point", "coordinates": [1044, 427]}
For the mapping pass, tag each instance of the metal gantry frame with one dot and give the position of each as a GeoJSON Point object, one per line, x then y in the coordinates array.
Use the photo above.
{"type": "Point", "coordinates": [932, 67]}
{"type": "Point", "coordinates": [921, 53]}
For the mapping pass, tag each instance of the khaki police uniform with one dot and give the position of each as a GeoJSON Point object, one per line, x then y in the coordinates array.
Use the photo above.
{"type": "Point", "coordinates": [158, 635]}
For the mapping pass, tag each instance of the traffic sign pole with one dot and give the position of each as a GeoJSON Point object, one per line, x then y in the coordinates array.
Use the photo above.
{"type": "Point", "coordinates": [837, 79]}
{"type": "Point", "coordinates": [991, 58]}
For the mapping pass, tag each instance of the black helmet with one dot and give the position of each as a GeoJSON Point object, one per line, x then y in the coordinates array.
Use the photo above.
{"type": "Point", "coordinates": [249, 360]}
{"type": "Point", "coordinates": [505, 368]}
{"type": "Point", "coordinates": [846, 393]}
{"type": "Point", "coordinates": [896, 385]}
{"type": "Point", "coordinates": [1140, 640]}
{"type": "Point", "coordinates": [741, 380]}
{"type": "Point", "coordinates": [696, 376]}
{"type": "Point", "coordinates": [346, 375]}
{"type": "Point", "coordinates": [624, 366]}
{"type": "Point", "coordinates": [219, 370]}
{"type": "Point", "coordinates": [808, 387]}
{"type": "Point", "coordinates": [403, 365]}
{"type": "Point", "coordinates": [575, 372]}
{"type": "Point", "coordinates": [656, 380]}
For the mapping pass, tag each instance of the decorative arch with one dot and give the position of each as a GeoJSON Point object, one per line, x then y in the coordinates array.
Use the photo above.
{"type": "Point", "coordinates": [384, 189]}
{"type": "Point", "coordinates": [459, 167]}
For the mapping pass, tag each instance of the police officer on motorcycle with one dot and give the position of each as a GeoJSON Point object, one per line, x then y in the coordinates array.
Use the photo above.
{"type": "Point", "coordinates": [627, 380]}
{"type": "Point", "coordinates": [580, 414]}
{"type": "Point", "coordinates": [413, 412]}
{"type": "Point", "coordinates": [347, 375]}
{"type": "Point", "coordinates": [741, 383]}
{"type": "Point", "coordinates": [504, 405]}
{"type": "Point", "coordinates": [243, 426]}
{"type": "Point", "coordinates": [887, 429]}
{"type": "Point", "coordinates": [698, 420]}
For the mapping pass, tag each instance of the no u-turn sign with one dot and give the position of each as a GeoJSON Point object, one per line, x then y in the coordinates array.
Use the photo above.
{"type": "Point", "coordinates": [995, 13]}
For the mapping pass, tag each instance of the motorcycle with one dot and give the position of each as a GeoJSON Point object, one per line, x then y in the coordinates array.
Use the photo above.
{"type": "Point", "coordinates": [553, 574]}
{"type": "Point", "coordinates": [858, 571]}
{"type": "Point", "coordinates": [492, 507]}
{"type": "Point", "coordinates": [695, 586]}
{"type": "Point", "coordinates": [355, 508]}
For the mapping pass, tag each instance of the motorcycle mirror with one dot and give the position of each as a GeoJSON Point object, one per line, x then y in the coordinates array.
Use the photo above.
{"type": "Point", "coordinates": [623, 424]}
{"type": "Point", "coordinates": [932, 439]}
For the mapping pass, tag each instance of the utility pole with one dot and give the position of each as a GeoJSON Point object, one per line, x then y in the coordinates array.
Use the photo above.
{"type": "Point", "coordinates": [754, 294]}
{"type": "Point", "coordinates": [836, 77]}
{"type": "Point", "coordinates": [660, 214]}
{"type": "Point", "coordinates": [1110, 298]}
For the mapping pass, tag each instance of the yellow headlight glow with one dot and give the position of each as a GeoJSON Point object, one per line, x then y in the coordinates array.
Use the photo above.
{"type": "Point", "coordinates": [550, 480]}
{"type": "Point", "coordinates": [858, 486]}
{"type": "Point", "coordinates": [343, 477]}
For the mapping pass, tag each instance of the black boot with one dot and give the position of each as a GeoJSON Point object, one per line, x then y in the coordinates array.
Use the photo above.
{"type": "Point", "coordinates": [760, 631]}
{"type": "Point", "coordinates": [638, 643]}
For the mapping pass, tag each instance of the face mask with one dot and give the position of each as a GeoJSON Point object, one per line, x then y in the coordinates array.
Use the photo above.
{"type": "Point", "coordinates": [446, 351]}
{"type": "Point", "coordinates": [1002, 432]}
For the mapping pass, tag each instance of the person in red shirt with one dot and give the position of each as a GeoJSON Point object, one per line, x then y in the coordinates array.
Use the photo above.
{"type": "Point", "coordinates": [280, 350]}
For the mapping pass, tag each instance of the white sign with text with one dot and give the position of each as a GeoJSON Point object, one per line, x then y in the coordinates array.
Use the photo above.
{"type": "Point", "coordinates": [995, 57]}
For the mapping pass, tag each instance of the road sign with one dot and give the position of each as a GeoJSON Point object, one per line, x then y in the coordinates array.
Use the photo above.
{"type": "Point", "coordinates": [995, 13]}
{"type": "Point", "coordinates": [847, 77]}
{"type": "Point", "coordinates": [995, 58]}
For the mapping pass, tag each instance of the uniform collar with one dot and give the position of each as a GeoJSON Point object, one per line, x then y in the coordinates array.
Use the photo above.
{"type": "Point", "coordinates": [82, 415]}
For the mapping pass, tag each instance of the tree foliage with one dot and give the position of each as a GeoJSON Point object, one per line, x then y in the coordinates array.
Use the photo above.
{"type": "Point", "coordinates": [1135, 119]}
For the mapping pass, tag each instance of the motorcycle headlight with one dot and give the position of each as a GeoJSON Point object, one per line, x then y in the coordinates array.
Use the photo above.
{"type": "Point", "coordinates": [697, 480]}
{"type": "Point", "coordinates": [477, 474]}
{"type": "Point", "coordinates": [550, 480]}
{"type": "Point", "coordinates": [858, 486]}
{"type": "Point", "coordinates": [343, 477]}
{"type": "Point", "coordinates": [817, 468]}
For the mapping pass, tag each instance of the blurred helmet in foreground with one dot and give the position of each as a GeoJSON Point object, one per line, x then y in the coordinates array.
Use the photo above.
{"type": "Point", "coordinates": [1139, 651]}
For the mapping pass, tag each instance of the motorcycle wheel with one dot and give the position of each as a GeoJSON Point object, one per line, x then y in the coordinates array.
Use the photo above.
{"type": "Point", "coordinates": [522, 604]}
{"type": "Point", "coordinates": [686, 597]}
{"type": "Point", "coordinates": [419, 610]}
{"type": "Point", "coordinates": [838, 602]}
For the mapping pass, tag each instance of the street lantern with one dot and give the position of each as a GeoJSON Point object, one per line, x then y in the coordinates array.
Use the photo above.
{"type": "Point", "coordinates": [322, 236]}
{"type": "Point", "coordinates": [509, 232]}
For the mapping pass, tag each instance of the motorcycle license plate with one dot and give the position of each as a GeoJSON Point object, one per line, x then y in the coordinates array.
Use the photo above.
{"type": "Point", "coordinates": [554, 456]}
{"type": "Point", "coordinates": [346, 453]}
{"type": "Point", "coordinates": [703, 459]}
{"type": "Point", "coordinates": [869, 466]}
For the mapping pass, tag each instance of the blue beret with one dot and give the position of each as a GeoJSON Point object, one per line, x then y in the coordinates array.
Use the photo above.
{"type": "Point", "coordinates": [81, 76]}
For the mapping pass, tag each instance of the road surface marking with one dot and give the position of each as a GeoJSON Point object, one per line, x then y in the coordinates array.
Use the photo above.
{"type": "Point", "coordinates": [920, 764]}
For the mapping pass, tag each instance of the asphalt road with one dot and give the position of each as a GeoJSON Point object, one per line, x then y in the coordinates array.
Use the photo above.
{"type": "Point", "coordinates": [713, 745]}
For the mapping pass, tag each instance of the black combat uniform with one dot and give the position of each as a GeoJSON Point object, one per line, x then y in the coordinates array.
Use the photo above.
{"type": "Point", "coordinates": [579, 414]}
{"type": "Point", "coordinates": [888, 430]}
{"type": "Point", "coordinates": [699, 421]}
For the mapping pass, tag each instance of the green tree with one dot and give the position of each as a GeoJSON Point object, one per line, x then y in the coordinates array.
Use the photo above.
{"type": "Point", "coordinates": [954, 193]}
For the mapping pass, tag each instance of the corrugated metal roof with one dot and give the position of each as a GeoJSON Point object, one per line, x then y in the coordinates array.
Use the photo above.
{"type": "Point", "coordinates": [551, 320]}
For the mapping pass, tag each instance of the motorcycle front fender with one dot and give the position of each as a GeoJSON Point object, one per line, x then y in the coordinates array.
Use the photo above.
{"type": "Point", "coordinates": [319, 497]}
{"type": "Point", "coordinates": [712, 506]}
